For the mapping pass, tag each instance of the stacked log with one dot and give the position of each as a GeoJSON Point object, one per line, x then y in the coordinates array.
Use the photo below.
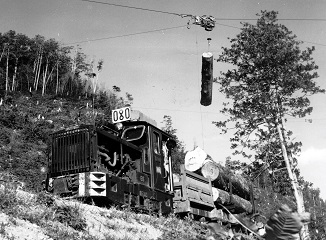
{"type": "Point", "coordinates": [228, 188]}
{"type": "Point", "coordinates": [210, 169]}
{"type": "Point", "coordinates": [197, 161]}
{"type": "Point", "coordinates": [235, 203]}
{"type": "Point", "coordinates": [230, 182]}
{"type": "Point", "coordinates": [194, 159]}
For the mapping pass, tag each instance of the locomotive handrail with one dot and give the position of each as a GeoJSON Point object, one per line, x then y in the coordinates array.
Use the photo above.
{"type": "Point", "coordinates": [107, 158]}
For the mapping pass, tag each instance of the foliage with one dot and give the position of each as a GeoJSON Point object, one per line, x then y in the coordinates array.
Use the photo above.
{"type": "Point", "coordinates": [317, 208]}
{"type": "Point", "coordinates": [35, 209]}
{"type": "Point", "coordinates": [237, 166]}
{"type": "Point", "coordinates": [182, 229]}
{"type": "Point", "coordinates": [178, 152]}
{"type": "Point", "coordinates": [106, 101]}
{"type": "Point", "coordinates": [44, 66]}
{"type": "Point", "coordinates": [71, 216]}
{"type": "Point", "coordinates": [8, 199]}
{"type": "Point", "coordinates": [267, 202]}
{"type": "Point", "coordinates": [272, 78]}
{"type": "Point", "coordinates": [44, 198]}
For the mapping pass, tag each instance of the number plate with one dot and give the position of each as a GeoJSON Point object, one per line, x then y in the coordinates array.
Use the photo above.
{"type": "Point", "coordinates": [121, 115]}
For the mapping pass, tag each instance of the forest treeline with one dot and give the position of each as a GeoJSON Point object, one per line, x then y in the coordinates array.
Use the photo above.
{"type": "Point", "coordinates": [46, 86]}
{"type": "Point", "coordinates": [45, 66]}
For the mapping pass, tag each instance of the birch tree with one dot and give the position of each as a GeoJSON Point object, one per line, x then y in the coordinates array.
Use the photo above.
{"type": "Point", "coordinates": [272, 80]}
{"type": "Point", "coordinates": [51, 55]}
{"type": "Point", "coordinates": [19, 51]}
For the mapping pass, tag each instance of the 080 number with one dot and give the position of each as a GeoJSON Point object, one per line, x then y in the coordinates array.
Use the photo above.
{"type": "Point", "coordinates": [121, 115]}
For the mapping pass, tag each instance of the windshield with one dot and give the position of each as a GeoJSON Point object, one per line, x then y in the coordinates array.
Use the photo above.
{"type": "Point", "coordinates": [133, 133]}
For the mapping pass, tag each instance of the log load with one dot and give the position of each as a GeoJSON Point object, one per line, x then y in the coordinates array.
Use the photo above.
{"type": "Point", "coordinates": [199, 162]}
{"type": "Point", "coordinates": [210, 169]}
{"type": "Point", "coordinates": [234, 183]}
{"type": "Point", "coordinates": [234, 203]}
{"type": "Point", "coordinates": [194, 159]}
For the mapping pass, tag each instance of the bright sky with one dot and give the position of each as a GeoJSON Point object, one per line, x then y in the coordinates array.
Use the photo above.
{"type": "Point", "coordinates": [162, 69]}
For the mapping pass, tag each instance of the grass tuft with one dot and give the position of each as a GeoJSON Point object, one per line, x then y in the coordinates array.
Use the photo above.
{"type": "Point", "coordinates": [71, 216]}
{"type": "Point", "coordinates": [45, 198]}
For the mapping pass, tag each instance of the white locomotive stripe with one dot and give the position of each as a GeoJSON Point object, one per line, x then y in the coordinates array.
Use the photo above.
{"type": "Point", "coordinates": [81, 188]}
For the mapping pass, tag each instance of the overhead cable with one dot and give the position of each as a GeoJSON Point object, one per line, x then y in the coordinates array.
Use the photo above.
{"type": "Point", "coordinates": [158, 30]}
{"type": "Point", "coordinates": [138, 8]}
{"type": "Point", "coordinates": [208, 22]}
{"type": "Point", "coordinates": [125, 35]}
{"type": "Point", "coordinates": [280, 19]}
{"type": "Point", "coordinates": [185, 15]}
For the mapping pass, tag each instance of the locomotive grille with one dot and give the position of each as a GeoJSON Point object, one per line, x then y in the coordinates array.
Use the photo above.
{"type": "Point", "coordinates": [70, 151]}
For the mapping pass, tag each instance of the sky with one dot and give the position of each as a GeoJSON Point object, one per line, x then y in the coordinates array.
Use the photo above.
{"type": "Point", "coordinates": [157, 58]}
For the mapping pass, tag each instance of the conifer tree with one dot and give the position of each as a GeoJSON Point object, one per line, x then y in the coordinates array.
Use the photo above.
{"type": "Point", "coordinates": [272, 79]}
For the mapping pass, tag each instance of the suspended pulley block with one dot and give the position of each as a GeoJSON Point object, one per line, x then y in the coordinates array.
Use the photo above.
{"type": "Point", "coordinates": [207, 22]}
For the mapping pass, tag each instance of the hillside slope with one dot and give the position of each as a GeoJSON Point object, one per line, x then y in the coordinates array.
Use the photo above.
{"type": "Point", "coordinates": [26, 216]}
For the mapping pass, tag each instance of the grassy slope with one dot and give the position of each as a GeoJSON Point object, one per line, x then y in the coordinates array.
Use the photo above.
{"type": "Point", "coordinates": [41, 216]}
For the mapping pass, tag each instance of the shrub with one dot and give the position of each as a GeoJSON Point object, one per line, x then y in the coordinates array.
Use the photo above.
{"type": "Point", "coordinates": [70, 215]}
{"type": "Point", "coordinates": [45, 198]}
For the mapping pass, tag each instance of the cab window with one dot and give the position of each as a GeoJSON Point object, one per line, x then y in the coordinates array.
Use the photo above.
{"type": "Point", "coordinates": [156, 143]}
{"type": "Point", "coordinates": [136, 135]}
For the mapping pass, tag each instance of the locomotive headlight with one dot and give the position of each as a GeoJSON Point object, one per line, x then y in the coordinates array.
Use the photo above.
{"type": "Point", "coordinates": [119, 126]}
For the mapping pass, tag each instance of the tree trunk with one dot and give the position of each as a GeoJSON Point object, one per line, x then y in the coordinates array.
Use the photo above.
{"type": "Point", "coordinates": [234, 203]}
{"type": "Point", "coordinates": [37, 69]}
{"type": "Point", "coordinates": [38, 72]}
{"type": "Point", "coordinates": [7, 70]}
{"type": "Point", "coordinates": [226, 180]}
{"type": "Point", "coordinates": [45, 76]}
{"type": "Point", "coordinates": [304, 234]}
{"type": "Point", "coordinates": [47, 79]}
{"type": "Point", "coordinates": [3, 51]}
{"type": "Point", "coordinates": [14, 76]}
{"type": "Point", "coordinates": [57, 85]}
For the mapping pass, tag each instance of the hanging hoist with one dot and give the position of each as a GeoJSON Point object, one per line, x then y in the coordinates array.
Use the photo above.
{"type": "Point", "coordinates": [207, 77]}
{"type": "Point", "coordinates": [207, 22]}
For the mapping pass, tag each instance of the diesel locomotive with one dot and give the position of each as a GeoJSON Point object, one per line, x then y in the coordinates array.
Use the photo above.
{"type": "Point", "coordinates": [126, 163]}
